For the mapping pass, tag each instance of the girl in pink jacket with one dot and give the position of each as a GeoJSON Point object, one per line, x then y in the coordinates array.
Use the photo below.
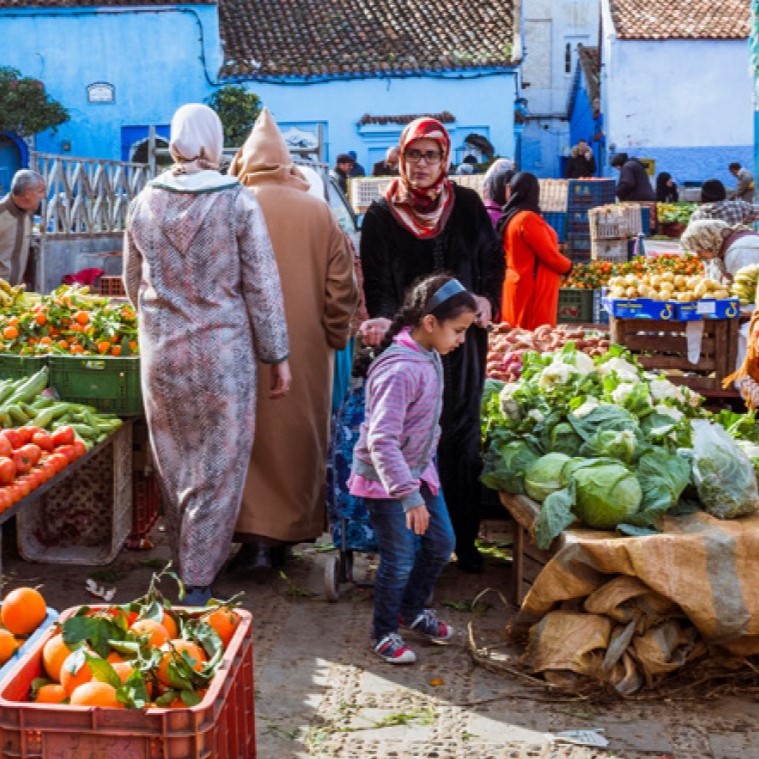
{"type": "Point", "coordinates": [393, 462]}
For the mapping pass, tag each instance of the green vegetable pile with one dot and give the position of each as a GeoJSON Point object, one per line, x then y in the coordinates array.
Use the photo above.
{"type": "Point", "coordinates": [600, 441]}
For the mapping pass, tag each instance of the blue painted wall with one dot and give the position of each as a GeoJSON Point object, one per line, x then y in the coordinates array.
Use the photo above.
{"type": "Point", "coordinates": [160, 58]}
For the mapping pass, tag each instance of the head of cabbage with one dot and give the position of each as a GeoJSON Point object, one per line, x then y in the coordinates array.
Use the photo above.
{"type": "Point", "coordinates": [544, 476]}
{"type": "Point", "coordinates": [606, 494]}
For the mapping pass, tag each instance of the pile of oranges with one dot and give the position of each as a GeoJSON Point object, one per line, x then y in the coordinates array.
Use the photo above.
{"type": "Point", "coordinates": [23, 611]}
{"type": "Point", "coordinates": [135, 656]}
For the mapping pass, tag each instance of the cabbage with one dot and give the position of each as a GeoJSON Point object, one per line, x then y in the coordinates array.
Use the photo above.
{"type": "Point", "coordinates": [613, 443]}
{"type": "Point", "coordinates": [504, 466]}
{"type": "Point", "coordinates": [544, 476]}
{"type": "Point", "coordinates": [606, 494]}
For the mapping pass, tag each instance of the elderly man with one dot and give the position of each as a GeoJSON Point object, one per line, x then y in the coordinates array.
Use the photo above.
{"type": "Point", "coordinates": [388, 166]}
{"type": "Point", "coordinates": [744, 190]}
{"type": "Point", "coordinates": [16, 209]}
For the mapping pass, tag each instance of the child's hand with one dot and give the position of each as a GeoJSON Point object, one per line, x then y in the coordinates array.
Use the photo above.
{"type": "Point", "coordinates": [418, 519]}
{"type": "Point", "coordinates": [373, 330]}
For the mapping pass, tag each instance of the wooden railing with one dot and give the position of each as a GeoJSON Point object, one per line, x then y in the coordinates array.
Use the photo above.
{"type": "Point", "coordinates": [86, 195]}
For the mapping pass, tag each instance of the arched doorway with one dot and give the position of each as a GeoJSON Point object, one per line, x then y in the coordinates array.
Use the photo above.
{"type": "Point", "coordinates": [11, 160]}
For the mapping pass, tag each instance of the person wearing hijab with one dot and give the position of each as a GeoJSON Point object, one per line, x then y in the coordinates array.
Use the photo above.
{"type": "Point", "coordinates": [495, 185]}
{"type": "Point", "coordinates": [284, 497]}
{"type": "Point", "coordinates": [724, 249]}
{"type": "Point", "coordinates": [534, 265]}
{"type": "Point", "coordinates": [666, 188]}
{"type": "Point", "coordinates": [200, 270]}
{"type": "Point", "coordinates": [426, 224]}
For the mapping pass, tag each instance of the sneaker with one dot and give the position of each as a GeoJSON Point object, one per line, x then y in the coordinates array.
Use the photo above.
{"type": "Point", "coordinates": [393, 650]}
{"type": "Point", "coordinates": [430, 626]}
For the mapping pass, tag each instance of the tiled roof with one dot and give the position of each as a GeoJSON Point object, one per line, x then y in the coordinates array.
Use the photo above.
{"type": "Point", "coordinates": [6, 4]}
{"type": "Point", "coordinates": [444, 118]}
{"type": "Point", "coordinates": [589, 60]}
{"type": "Point", "coordinates": [681, 19]}
{"type": "Point", "coordinates": [333, 38]}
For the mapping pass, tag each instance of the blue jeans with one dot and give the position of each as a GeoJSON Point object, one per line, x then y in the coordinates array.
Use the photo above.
{"type": "Point", "coordinates": [409, 564]}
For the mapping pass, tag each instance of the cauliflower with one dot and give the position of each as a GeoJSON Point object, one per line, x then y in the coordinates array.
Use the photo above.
{"type": "Point", "coordinates": [623, 369]}
{"type": "Point", "coordinates": [509, 407]}
{"type": "Point", "coordinates": [536, 415]}
{"type": "Point", "coordinates": [586, 407]}
{"type": "Point", "coordinates": [621, 391]}
{"type": "Point", "coordinates": [662, 390]}
{"type": "Point", "coordinates": [583, 362]}
{"type": "Point", "coordinates": [556, 373]}
{"type": "Point", "coordinates": [669, 411]}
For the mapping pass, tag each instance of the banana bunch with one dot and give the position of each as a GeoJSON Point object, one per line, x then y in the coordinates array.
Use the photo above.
{"type": "Point", "coordinates": [744, 284]}
{"type": "Point", "coordinates": [9, 294]}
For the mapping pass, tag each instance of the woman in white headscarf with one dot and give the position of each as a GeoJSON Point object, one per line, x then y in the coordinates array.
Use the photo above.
{"type": "Point", "coordinates": [725, 250]}
{"type": "Point", "coordinates": [199, 267]}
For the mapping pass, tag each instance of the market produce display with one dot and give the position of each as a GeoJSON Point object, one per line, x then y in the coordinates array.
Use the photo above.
{"type": "Point", "coordinates": [137, 655]}
{"type": "Point", "coordinates": [745, 283]}
{"type": "Point", "coordinates": [69, 320]}
{"type": "Point", "coordinates": [596, 274]}
{"type": "Point", "coordinates": [600, 441]}
{"type": "Point", "coordinates": [667, 286]}
{"type": "Point", "coordinates": [675, 213]}
{"type": "Point", "coordinates": [507, 345]}
{"type": "Point", "coordinates": [22, 611]}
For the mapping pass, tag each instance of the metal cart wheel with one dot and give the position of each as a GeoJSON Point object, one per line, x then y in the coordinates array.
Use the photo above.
{"type": "Point", "coordinates": [332, 579]}
{"type": "Point", "coordinates": [346, 566]}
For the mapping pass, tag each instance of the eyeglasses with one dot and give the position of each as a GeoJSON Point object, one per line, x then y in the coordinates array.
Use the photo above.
{"type": "Point", "coordinates": [430, 156]}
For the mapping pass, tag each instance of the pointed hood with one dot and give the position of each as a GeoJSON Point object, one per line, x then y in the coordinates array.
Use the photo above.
{"type": "Point", "coordinates": [265, 158]}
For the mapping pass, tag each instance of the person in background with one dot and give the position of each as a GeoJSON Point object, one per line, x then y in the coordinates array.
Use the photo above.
{"type": "Point", "coordinates": [744, 190]}
{"type": "Point", "coordinates": [725, 249]}
{"type": "Point", "coordinates": [427, 224]}
{"type": "Point", "coordinates": [388, 166]}
{"type": "Point", "coordinates": [342, 171]}
{"type": "Point", "coordinates": [200, 270]}
{"type": "Point", "coordinates": [393, 466]}
{"type": "Point", "coordinates": [581, 163]}
{"type": "Point", "coordinates": [633, 183]}
{"type": "Point", "coordinates": [496, 187]}
{"type": "Point", "coordinates": [715, 205]}
{"type": "Point", "coordinates": [666, 189]}
{"type": "Point", "coordinates": [467, 165]}
{"type": "Point", "coordinates": [283, 500]}
{"type": "Point", "coordinates": [534, 265]}
{"type": "Point", "coordinates": [357, 170]}
{"type": "Point", "coordinates": [16, 211]}
{"type": "Point", "coordinates": [598, 139]}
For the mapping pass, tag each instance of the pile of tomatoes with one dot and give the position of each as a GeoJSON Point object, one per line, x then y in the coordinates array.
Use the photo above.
{"type": "Point", "coordinates": [30, 456]}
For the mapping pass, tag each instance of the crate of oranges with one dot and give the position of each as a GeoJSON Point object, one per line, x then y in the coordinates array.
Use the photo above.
{"type": "Point", "coordinates": [25, 617]}
{"type": "Point", "coordinates": [143, 679]}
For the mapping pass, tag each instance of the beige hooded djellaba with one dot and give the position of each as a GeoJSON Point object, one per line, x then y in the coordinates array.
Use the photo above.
{"type": "Point", "coordinates": [284, 492]}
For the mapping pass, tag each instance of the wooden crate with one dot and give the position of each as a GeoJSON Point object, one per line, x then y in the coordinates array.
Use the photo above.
{"type": "Point", "coordinates": [663, 345]}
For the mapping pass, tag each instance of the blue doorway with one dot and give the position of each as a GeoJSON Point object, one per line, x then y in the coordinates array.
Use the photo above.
{"type": "Point", "coordinates": [10, 162]}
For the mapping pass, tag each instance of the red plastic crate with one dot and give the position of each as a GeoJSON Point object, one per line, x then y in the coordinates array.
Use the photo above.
{"type": "Point", "coordinates": [221, 726]}
{"type": "Point", "coordinates": [146, 506]}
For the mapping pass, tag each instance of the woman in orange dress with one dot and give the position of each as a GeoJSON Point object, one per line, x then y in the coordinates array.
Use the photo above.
{"type": "Point", "coordinates": [534, 265]}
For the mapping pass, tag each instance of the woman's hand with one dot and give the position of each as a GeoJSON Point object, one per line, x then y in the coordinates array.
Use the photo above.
{"type": "Point", "coordinates": [484, 312]}
{"type": "Point", "coordinates": [418, 519]}
{"type": "Point", "coordinates": [281, 379]}
{"type": "Point", "coordinates": [373, 330]}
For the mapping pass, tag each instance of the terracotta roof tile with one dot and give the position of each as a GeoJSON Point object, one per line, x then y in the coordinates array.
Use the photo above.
{"type": "Point", "coordinates": [6, 4]}
{"type": "Point", "coordinates": [681, 19]}
{"type": "Point", "coordinates": [316, 38]}
{"type": "Point", "coordinates": [590, 62]}
{"type": "Point", "coordinates": [446, 117]}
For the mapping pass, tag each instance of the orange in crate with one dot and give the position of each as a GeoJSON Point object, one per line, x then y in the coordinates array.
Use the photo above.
{"type": "Point", "coordinates": [221, 726]}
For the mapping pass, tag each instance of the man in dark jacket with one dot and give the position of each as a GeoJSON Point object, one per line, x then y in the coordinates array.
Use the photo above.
{"type": "Point", "coordinates": [633, 183]}
{"type": "Point", "coordinates": [581, 162]}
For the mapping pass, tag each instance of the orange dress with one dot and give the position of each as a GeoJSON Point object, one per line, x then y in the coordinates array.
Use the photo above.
{"type": "Point", "coordinates": [534, 268]}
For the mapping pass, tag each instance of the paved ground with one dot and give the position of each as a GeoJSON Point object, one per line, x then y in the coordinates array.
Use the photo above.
{"type": "Point", "coordinates": [321, 693]}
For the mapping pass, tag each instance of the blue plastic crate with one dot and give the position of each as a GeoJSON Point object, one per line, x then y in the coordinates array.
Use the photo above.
{"type": "Point", "coordinates": [709, 308]}
{"type": "Point", "coordinates": [589, 193]}
{"type": "Point", "coordinates": [558, 221]}
{"type": "Point", "coordinates": [600, 312]}
{"type": "Point", "coordinates": [642, 308]}
{"type": "Point", "coordinates": [52, 616]}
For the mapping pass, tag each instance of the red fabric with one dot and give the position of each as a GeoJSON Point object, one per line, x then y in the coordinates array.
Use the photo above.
{"type": "Point", "coordinates": [83, 277]}
{"type": "Point", "coordinates": [422, 212]}
{"type": "Point", "coordinates": [534, 268]}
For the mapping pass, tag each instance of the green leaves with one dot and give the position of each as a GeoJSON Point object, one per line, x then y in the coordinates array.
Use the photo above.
{"type": "Point", "coordinates": [238, 110]}
{"type": "Point", "coordinates": [25, 107]}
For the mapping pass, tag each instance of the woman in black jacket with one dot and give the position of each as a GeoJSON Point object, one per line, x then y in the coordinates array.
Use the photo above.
{"type": "Point", "coordinates": [427, 224]}
{"type": "Point", "coordinates": [666, 189]}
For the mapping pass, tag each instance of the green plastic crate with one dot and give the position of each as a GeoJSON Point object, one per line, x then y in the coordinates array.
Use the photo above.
{"type": "Point", "coordinates": [15, 367]}
{"type": "Point", "coordinates": [575, 306]}
{"type": "Point", "coordinates": [108, 383]}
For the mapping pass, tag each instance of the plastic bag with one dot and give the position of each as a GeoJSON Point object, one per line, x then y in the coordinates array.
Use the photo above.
{"type": "Point", "coordinates": [723, 474]}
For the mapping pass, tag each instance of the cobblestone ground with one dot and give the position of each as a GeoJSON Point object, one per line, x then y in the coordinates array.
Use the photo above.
{"type": "Point", "coordinates": [321, 693]}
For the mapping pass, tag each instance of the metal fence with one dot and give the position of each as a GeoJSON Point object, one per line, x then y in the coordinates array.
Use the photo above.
{"type": "Point", "coordinates": [86, 195]}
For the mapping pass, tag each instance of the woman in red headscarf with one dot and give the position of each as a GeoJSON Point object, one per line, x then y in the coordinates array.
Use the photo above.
{"type": "Point", "coordinates": [426, 224]}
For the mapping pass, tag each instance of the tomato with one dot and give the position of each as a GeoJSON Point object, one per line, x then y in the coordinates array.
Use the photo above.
{"type": "Point", "coordinates": [6, 500]}
{"type": "Point", "coordinates": [58, 461]}
{"type": "Point", "coordinates": [24, 434]}
{"type": "Point", "coordinates": [80, 448]}
{"type": "Point", "coordinates": [6, 449]}
{"type": "Point", "coordinates": [13, 437]}
{"type": "Point", "coordinates": [32, 452]}
{"type": "Point", "coordinates": [23, 488]}
{"type": "Point", "coordinates": [69, 451]}
{"type": "Point", "coordinates": [22, 461]}
{"type": "Point", "coordinates": [7, 471]}
{"type": "Point", "coordinates": [63, 436]}
{"type": "Point", "coordinates": [44, 440]}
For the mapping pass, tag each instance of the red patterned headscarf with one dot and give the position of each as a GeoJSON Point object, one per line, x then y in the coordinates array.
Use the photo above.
{"type": "Point", "coordinates": [424, 213]}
